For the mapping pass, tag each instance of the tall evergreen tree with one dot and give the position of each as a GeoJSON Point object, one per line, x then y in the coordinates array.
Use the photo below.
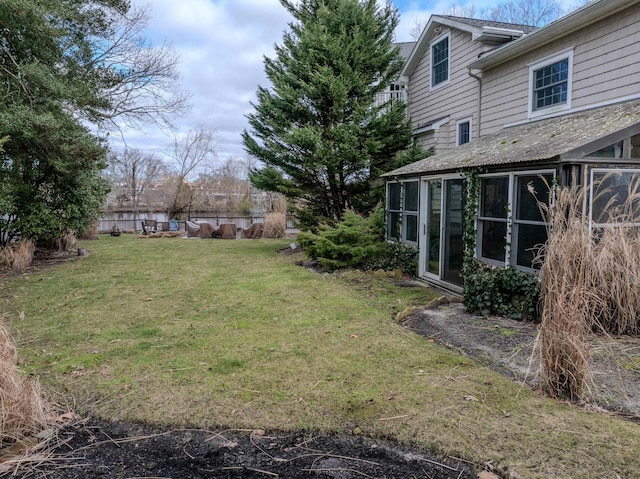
{"type": "Point", "coordinates": [321, 135]}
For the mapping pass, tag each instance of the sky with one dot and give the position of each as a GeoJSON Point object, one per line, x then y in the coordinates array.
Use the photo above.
{"type": "Point", "coordinates": [221, 45]}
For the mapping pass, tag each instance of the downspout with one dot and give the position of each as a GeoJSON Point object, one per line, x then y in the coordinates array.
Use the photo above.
{"type": "Point", "coordinates": [479, 79]}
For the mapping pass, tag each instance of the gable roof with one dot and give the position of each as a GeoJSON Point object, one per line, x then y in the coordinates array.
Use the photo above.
{"type": "Point", "coordinates": [479, 23]}
{"type": "Point", "coordinates": [560, 138]}
{"type": "Point", "coordinates": [590, 13]}
{"type": "Point", "coordinates": [479, 30]}
{"type": "Point", "coordinates": [405, 48]}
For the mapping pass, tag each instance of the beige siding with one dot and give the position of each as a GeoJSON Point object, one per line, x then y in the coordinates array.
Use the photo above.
{"type": "Point", "coordinates": [606, 67]}
{"type": "Point", "coordinates": [458, 99]}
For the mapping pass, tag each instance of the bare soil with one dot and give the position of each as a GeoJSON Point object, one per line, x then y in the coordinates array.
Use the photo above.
{"type": "Point", "coordinates": [100, 449]}
{"type": "Point", "coordinates": [511, 348]}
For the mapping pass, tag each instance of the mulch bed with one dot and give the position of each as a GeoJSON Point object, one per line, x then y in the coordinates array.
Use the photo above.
{"type": "Point", "coordinates": [106, 450]}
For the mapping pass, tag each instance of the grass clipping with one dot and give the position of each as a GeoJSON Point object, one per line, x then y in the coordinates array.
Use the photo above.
{"type": "Point", "coordinates": [23, 411]}
{"type": "Point", "coordinates": [589, 281]}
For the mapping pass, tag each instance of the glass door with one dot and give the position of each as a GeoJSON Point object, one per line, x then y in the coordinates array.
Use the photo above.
{"type": "Point", "coordinates": [453, 250]}
{"type": "Point", "coordinates": [441, 236]}
{"type": "Point", "coordinates": [433, 227]}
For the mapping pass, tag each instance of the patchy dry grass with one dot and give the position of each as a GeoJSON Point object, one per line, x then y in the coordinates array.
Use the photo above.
{"type": "Point", "coordinates": [231, 334]}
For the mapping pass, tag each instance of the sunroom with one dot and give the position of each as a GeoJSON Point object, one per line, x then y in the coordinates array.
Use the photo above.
{"type": "Point", "coordinates": [425, 201]}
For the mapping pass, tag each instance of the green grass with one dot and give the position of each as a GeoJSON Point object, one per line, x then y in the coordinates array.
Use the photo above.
{"type": "Point", "coordinates": [231, 334]}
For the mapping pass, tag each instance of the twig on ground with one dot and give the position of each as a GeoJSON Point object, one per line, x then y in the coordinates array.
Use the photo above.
{"type": "Point", "coordinates": [337, 469]}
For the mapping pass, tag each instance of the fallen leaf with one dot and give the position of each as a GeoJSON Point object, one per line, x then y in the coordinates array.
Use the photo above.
{"type": "Point", "coordinates": [487, 475]}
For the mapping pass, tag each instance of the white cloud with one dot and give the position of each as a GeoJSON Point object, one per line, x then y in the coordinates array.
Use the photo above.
{"type": "Point", "coordinates": [222, 44]}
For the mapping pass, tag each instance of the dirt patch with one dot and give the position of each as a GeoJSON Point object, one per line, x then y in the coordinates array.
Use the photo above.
{"type": "Point", "coordinates": [99, 449]}
{"type": "Point", "coordinates": [511, 348]}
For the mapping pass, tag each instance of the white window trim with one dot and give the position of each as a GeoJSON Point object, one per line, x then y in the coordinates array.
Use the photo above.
{"type": "Point", "coordinates": [422, 228]}
{"type": "Point", "coordinates": [511, 240]}
{"type": "Point", "coordinates": [403, 212]}
{"type": "Point", "coordinates": [437, 40]}
{"type": "Point", "coordinates": [533, 113]}
{"type": "Point", "coordinates": [458, 123]}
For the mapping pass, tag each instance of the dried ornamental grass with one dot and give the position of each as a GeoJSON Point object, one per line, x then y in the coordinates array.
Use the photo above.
{"type": "Point", "coordinates": [564, 365]}
{"type": "Point", "coordinates": [20, 256]}
{"type": "Point", "coordinates": [23, 411]}
{"type": "Point", "coordinates": [275, 225]}
{"type": "Point", "coordinates": [589, 283]}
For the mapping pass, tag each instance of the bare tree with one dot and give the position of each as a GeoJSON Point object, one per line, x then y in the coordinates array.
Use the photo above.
{"type": "Point", "coordinates": [466, 11]}
{"type": "Point", "coordinates": [522, 12]}
{"type": "Point", "coordinates": [132, 173]}
{"type": "Point", "coordinates": [193, 153]}
{"type": "Point", "coordinates": [138, 81]}
{"type": "Point", "coordinates": [454, 10]}
{"type": "Point", "coordinates": [526, 12]}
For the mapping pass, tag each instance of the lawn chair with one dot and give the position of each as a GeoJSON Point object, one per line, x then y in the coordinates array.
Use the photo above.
{"type": "Point", "coordinates": [149, 226]}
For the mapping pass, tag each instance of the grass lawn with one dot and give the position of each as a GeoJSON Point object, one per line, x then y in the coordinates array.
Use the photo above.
{"type": "Point", "coordinates": [214, 333]}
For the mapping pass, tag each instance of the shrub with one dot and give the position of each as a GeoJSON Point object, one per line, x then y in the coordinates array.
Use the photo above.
{"type": "Point", "coordinates": [348, 244]}
{"type": "Point", "coordinates": [358, 242]}
{"type": "Point", "coordinates": [501, 291]}
{"type": "Point", "coordinates": [393, 257]}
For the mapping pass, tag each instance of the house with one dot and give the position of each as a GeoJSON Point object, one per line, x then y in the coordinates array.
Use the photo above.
{"type": "Point", "coordinates": [396, 91]}
{"type": "Point", "coordinates": [517, 106]}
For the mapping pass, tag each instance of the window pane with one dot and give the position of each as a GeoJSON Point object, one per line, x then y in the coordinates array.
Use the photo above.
{"type": "Point", "coordinates": [434, 213]}
{"type": "Point", "coordinates": [611, 196]}
{"type": "Point", "coordinates": [494, 198]}
{"type": "Point", "coordinates": [530, 238]}
{"type": "Point", "coordinates": [494, 239]}
{"type": "Point", "coordinates": [394, 196]}
{"type": "Point", "coordinates": [635, 147]}
{"type": "Point", "coordinates": [393, 226]}
{"type": "Point", "coordinates": [440, 62]}
{"type": "Point", "coordinates": [411, 224]}
{"type": "Point", "coordinates": [551, 84]}
{"type": "Point", "coordinates": [411, 196]}
{"type": "Point", "coordinates": [527, 207]}
{"type": "Point", "coordinates": [464, 133]}
{"type": "Point", "coordinates": [611, 151]}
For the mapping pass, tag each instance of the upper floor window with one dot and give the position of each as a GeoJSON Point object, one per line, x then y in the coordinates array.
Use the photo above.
{"type": "Point", "coordinates": [550, 84]}
{"type": "Point", "coordinates": [463, 133]}
{"type": "Point", "coordinates": [440, 61]}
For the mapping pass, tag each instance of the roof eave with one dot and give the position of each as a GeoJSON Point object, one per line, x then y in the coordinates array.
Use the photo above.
{"type": "Point", "coordinates": [425, 38]}
{"type": "Point", "coordinates": [586, 15]}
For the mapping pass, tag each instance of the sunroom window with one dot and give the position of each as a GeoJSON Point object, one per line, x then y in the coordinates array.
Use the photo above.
{"type": "Point", "coordinates": [614, 197]}
{"type": "Point", "coordinates": [510, 225]}
{"type": "Point", "coordinates": [529, 228]}
{"type": "Point", "coordinates": [402, 211]}
{"type": "Point", "coordinates": [492, 222]}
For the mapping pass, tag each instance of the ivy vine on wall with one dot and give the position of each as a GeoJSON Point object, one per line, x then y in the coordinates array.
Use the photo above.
{"type": "Point", "coordinates": [502, 291]}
